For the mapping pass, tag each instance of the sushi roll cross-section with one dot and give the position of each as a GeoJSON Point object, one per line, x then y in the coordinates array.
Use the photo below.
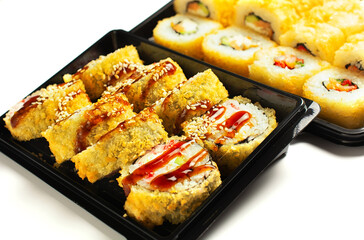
{"type": "Point", "coordinates": [169, 182]}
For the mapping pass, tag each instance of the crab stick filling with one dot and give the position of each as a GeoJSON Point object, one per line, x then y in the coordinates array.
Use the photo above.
{"type": "Point", "coordinates": [289, 61]}
{"type": "Point", "coordinates": [238, 42]}
{"type": "Point", "coordinates": [257, 24]}
{"type": "Point", "coordinates": [185, 26]}
{"type": "Point", "coordinates": [340, 84]}
{"type": "Point", "coordinates": [197, 8]}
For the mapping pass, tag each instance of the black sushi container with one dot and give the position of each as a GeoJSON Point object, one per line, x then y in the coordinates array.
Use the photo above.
{"type": "Point", "coordinates": [319, 127]}
{"type": "Point", "coordinates": [105, 199]}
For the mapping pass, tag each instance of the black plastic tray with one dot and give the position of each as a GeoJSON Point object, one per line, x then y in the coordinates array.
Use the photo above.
{"type": "Point", "coordinates": [319, 127]}
{"type": "Point", "coordinates": [105, 199]}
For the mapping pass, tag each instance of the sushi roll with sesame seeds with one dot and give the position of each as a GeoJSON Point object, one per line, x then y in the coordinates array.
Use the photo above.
{"type": "Point", "coordinates": [84, 127]}
{"type": "Point", "coordinates": [184, 33]}
{"type": "Point", "coordinates": [317, 38]}
{"type": "Point", "coordinates": [119, 147]}
{"type": "Point", "coordinates": [40, 110]}
{"type": "Point", "coordinates": [351, 54]}
{"type": "Point", "coordinates": [340, 94]}
{"type": "Point", "coordinates": [233, 48]}
{"type": "Point", "coordinates": [169, 182]}
{"type": "Point", "coordinates": [191, 98]}
{"type": "Point", "coordinates": [285, 68]}
{"type": "Point", "coordinates": [267, 17]}
{"type": "Point", "coordinates": [218, 10]}
{"type": "Point", "coordinates": [232, 130]}
{"type": "Point", "coordinates": [152, 82]}
{"type": "Point", "coordinates": [97, 73]}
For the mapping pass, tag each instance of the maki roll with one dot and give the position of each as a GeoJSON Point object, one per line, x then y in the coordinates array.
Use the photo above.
{"type": "Point", "coordinates": [233, 48]}
{"type": "Point", "coordinates": [84, 127]}
{"type": "Point", "coordinates": [267, 17]}
{"type": "Point", "coordinates": [340, 93]}
{"type": "Point", "coordinates": [351, 54]}
{"type": "Point", "coordinates": [232, 130]}
{"type": "Point", "coordinates": [120, 147]}
{"type": "Point", "coordinates": [184, 33]}
{"type": "Point", "coordinates": [218, 10]}
{"type": "Point", "coordinates": [192, 98]}
{"type": "Point", "coordinates": [40, 110]}
{"type": "Point", "coordinates": [148, 84]}
{"type": "Point", "coordinates": [304, 6]}
{"type": "Point", "coordinates": [285, 68]}
{"type": "Point", "coordinates": [169, 182]}
{"type": "Point", "coordinates": [317, 38]}
{"type": "Point", "coordinates": [96, 74]}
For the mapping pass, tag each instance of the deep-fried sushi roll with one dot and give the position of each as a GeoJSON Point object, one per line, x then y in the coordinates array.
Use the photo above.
{"type": "Point", "coordinates": [191, 98]}
{"type": "Point", "coordinates": [150, 83]}
{"type": "Point", "coordinates": [218, 10]}
{"type": "Point", "coordinates": [318, 39]}
{"type": "Point", "coordinates": [285, 68]}
{"type": "Point", "coordinates": [351, 54]}
{"type": "Point", "coordinates": [169, 182]}
{"type": "Point", "coordinates": [184, 33]}
{"type": "Point", "coordinates": [84, 127]}
{"type": "Point", "coordinates": [340, 94]}
{"type": "Point", "coordinates": [267, 17]}
{"type": "Point", "coordinates": [34, 114]}
{"type": "Point", "coordinates": [233, 48]}
{"type": "Point", "coordinates": [97, 73]}
{"type": "Point", "coordinates": [232, 130]}
{"type": "Point", "coordinates": [120, 147]}
{"type": "Point", "coordinates": [304, 6]}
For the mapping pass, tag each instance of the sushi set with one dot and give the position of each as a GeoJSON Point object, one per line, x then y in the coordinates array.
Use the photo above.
{"type": "Point", "coordinates": [157, 138]}
{"type": "Point", "coordinates": [284, 60]}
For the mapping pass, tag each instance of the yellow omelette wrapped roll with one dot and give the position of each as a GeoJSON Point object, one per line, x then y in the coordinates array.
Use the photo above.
{"type": "Point", "coordinates": [270, 18]}
{"type": "Point", "coordinates": [351, 54]}
{"type": "Point", "coordinates": [218, 10]}
{"type": "Point", "coordinates": [319, 39]}
{"type": "Point", "coordinates": [340, 94]}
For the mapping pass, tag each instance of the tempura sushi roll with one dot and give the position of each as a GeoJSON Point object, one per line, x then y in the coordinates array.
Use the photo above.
{"type": "Point", "coordinates": [169, 182]}
{"type": "Point", "coordinates": [218, 10]}
{"type": "Point", "coordinates": [267, 17]}
{"type": "Point", "coordinates": [43, 108]}
{"type": "Point", "coordinates": [233, 48]}
{"type": "Point", "coordinates": [232, 130]}
{"type": "Point", "coordinates": [351, 54]}
{"type": "Point", "coordinates": [184, 33]}
{"type": "Point", "coordinates": [96, 74]}
{"type": "Point", "coordinates": [120, 147]}
{"type": "Point", "coordinates": [285, 68]}
{"type": "Point", "coordinates": [191, 98]}
{"type": "Point", "coordinates": [340, 94]}
{"type": "Point", "coordinates": [144, 87]}
{"type": "Point", "coordinates": [319, 39]}
{"type": "Point", "coordinates": [304, 6]}
{"type": "Point", "coordinates": [84, 127]}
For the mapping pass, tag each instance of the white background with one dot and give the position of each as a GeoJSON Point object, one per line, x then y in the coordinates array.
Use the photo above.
{"type": "Point", "coordinates": [314, 192]}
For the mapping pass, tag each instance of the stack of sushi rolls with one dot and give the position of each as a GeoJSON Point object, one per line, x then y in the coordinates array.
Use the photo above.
{"type": "Point", "coordinates": [184, 33]}
{"type": "Point", "coordinates": [97, 73]}
{"type": "Point", "coordinates": [119, 147]}
{"type": "Point", "coordinates": [285, 68]}
{"type": "Point", "coordinates": [234, 48]}
{"type": "Point", "coordinates": [169, 182]}
{"type": "Point", "coordinates": [43, 108]}
{"type": "Point", "coordinates": [217, 10]}
{"type": "Point", "coordinates": [232, 130]}
{"type": "Point", "coordinates": [270, 18]}
{"type": "Point", "coordinates": [340, 93]}
{"type": "Point", "coordinates": [150, 83]}
{"type": "Point", "coordinates": [191, 98]}
{"type": "Point", "coordinates": [351, 54]}
{"type": "Point", "coordinates": [85, 126]}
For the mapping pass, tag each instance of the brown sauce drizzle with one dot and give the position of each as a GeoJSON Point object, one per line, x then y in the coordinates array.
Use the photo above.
{"type": "Point", "coordinates": [164, 182]}
{"type": "Point", "coordinates": [28, 103]}
{"type": "Point", "coordinates": [79, 72]}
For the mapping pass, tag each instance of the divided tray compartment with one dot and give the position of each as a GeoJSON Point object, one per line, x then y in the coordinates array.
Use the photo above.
{"type": "Point", "coordinates": [319, 127]}
{"type": "Point", "coordinates": [105, 199]}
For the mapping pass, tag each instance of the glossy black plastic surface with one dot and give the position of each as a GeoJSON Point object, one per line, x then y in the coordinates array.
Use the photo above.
{"type": "Point", "coordinates": [105, 199]}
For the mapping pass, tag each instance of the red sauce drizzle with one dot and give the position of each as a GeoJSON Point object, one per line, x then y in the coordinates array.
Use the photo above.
{"type": "Point", "coordinates": [149, 168]}
{"type": "Point", "coordinates": [27, 105]}
{"type": "Point", "coordinates": [187, 170]}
